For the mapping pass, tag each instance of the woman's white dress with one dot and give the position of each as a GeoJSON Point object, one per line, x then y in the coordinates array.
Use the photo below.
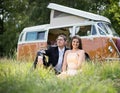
{"type": "Point", "coordinates": [72, 63]}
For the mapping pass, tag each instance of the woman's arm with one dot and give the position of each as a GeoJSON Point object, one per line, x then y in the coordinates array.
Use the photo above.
{"type": "Point", "coordinates": [81, 58]}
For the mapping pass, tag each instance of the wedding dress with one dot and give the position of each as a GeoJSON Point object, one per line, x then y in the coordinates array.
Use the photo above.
{"type": "Point", "coordinates": [72, 63]}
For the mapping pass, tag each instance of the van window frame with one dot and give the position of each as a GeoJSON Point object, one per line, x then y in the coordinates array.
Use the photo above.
{"type": "Point", "coordinates": [21, 37]}
{"type": "Point", "coordinates": [37, 33]}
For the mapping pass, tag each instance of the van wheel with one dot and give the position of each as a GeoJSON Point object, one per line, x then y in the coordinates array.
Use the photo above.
{"type": "Point", "coordinates": [87, 58]}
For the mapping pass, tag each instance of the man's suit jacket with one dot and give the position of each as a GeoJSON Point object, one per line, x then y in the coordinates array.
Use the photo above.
{"type": "Point", "coordinates": [53, 55]}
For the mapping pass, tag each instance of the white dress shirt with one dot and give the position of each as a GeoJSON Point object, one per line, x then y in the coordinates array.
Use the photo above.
{"type": "Point", "coordinates": [58, 67]}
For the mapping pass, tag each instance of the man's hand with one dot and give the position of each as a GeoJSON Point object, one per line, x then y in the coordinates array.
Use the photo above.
{"type": "Point", "coordinates": [40, 61]}
{"type": "Point", "coordinates": [42, 51]}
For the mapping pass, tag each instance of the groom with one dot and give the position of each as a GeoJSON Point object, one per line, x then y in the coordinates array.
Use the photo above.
{"type": "Point", "coordinates": [55, 55]}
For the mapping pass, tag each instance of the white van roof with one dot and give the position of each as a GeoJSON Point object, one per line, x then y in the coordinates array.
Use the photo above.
{"type": "Point", "coordinates": [77, 12]}
{"type": "Point", "coordinates": [36, 28]}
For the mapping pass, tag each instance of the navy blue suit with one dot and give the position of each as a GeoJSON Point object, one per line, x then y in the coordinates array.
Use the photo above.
{"type": "Point", "coordinates": [53, 55]}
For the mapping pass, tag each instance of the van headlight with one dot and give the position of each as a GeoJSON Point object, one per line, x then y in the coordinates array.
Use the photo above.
{"type": "Point", "coordinates": [110, 48]}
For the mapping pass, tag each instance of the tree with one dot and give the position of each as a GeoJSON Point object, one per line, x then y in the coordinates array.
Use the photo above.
{"type": "Point", "coordinates": [113, 13]}
{"type": "Point", "coordinates": [1, 17]}
{"type": "Point", "coordinates": [12, 15]}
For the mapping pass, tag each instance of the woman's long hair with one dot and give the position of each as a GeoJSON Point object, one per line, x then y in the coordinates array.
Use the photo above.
{"type": "Point", "coordinates": [79, 39]}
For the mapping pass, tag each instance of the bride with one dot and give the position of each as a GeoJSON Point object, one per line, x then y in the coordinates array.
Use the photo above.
{"type": "Point", "coordinates": [73, 58]}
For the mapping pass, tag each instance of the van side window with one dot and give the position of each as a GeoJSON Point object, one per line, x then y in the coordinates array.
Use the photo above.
{"type": "Point", "coordinates": [41, 35]}
{"type": "Point", "coordinates": [32, 36]}
{"type": "Point", "coordinates": [84, 30]}
{"type": "Point", "coordinates": [94, 30]}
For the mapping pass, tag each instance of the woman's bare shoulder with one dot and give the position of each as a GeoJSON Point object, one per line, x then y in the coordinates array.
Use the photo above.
{"type": "Point", "coordinates": [81, 51]}
{"type": "Point", "coordinates": [67, 51]}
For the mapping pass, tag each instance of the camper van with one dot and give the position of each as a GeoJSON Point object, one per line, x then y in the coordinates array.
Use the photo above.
{"type": "Point", "coordinates": [99, 40]}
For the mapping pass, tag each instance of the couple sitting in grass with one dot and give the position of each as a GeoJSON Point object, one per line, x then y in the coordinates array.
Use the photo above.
{"type": "Point", "coordinates": [65, 62]}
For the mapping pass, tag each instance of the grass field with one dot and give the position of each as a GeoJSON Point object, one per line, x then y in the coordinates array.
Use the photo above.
{"type": "Point", "coordinates": [18, 77]}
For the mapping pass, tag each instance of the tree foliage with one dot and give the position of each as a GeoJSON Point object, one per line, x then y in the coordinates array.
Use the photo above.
{"type": "Point", "coordinates": [113, 13]}
{"type": "Point", "coordinates": [17, 14]}
{"type": "Point", "coordinates": [13, 13]}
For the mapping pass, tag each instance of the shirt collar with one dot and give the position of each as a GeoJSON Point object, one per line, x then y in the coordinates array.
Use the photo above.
{"type": "Point", "coordinates": [61, 49]}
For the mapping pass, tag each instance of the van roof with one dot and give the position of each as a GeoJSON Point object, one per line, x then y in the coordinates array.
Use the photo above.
{"type": "Point", "coordinates": [77, 12]}
{"type": "Point", "coordinates": [36, 28]}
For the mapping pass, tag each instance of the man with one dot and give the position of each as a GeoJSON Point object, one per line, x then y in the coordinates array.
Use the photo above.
{"type": "Point", "coordinates": [55, 54]}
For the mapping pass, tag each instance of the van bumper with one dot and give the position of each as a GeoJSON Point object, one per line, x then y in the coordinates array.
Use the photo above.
{"type": "Point", "coordinates": [112, 59]}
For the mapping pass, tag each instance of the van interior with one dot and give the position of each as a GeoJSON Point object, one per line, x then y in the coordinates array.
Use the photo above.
{"type": "Point", "coordinates": [81, 31]}
{"type": "Point", "coordinates": [53, 33]}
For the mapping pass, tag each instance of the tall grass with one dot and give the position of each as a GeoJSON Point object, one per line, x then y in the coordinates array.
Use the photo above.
{"type": "Point", "coordinates": [18, 77]}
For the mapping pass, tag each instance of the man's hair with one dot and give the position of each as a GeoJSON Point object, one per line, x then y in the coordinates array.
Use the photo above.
{"type": "Point", "coordinates": [63, 35]}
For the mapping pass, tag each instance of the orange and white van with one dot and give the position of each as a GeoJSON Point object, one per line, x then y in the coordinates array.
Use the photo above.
{"type": "Point", "coordinates": [99, 40]}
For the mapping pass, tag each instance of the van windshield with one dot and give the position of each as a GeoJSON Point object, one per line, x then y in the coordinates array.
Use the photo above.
{"type": "Point", "coordinates": [32, 36]}
{"type": "Point", "coordinates": [106, 29]}
{"type": "Point", "coordinates": [112, 30]}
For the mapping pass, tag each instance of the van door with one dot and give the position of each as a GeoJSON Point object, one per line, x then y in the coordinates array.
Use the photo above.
{"type": "Point", "coordinates": [91, 41]}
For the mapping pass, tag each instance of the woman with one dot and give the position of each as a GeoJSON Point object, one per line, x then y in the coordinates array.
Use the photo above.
{"type": "Point", "coordinates": [73, 58]}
